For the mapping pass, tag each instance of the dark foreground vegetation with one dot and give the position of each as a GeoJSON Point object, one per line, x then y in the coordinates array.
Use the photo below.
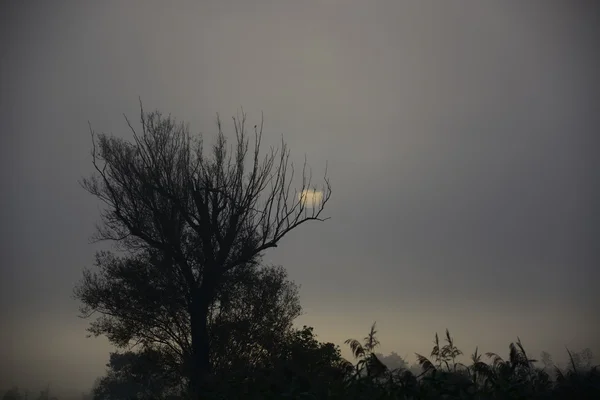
{"type": "Point", "coordinates": [195, 312]}
{"type": "Point", "coordinates": [300, 367]}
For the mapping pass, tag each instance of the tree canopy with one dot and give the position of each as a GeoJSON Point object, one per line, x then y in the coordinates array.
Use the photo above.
{"type": "Point", "coordinates": [189, 223]}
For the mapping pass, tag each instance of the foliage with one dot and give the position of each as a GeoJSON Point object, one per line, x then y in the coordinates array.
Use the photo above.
{"type": "Point", "coordinates": [13, 394]}
{"type": "Point", "coordinates": [252, 312]}
{"type": "Point", "coordinates": [322, 374]}
{"type": "Point", "coordinates": [211, 322]}
{"type": "Point", "coordinates": [188, 222]}
{"type": "Point", "coordinates": [301, 367]}
{"type": "Point", "coordinates": [141, 375]}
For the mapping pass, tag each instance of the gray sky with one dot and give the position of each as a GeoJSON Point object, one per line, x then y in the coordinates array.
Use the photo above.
{"type": "Point", "coordinates": [459, 137]}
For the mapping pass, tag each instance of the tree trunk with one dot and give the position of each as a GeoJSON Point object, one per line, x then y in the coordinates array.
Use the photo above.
{"type": "Point", "coordinates": [200, 363]}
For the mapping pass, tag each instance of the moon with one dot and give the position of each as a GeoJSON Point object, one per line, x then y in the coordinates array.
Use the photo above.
{"type": "Point", "coordinates": [310, 198]}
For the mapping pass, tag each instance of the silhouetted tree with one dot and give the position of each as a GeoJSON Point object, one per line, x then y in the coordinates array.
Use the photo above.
{"type": "Point", "coordinates": [393, 361]}
{"type": "Point", "coordinates": [296, 364]}
{"type": "Point", "coordinates": [252, 315]}
{"type": "Point", "coordinates": [298, 367]}
{"type": "Point", "coordinates": [203, 215]}
{"type": "Point", "coordinates": [141, 375]}
{"type": "Point", "coordinates": [252, 311]}
{"type": "Point", "coordinates": [13, 394]}
{"type": "Point", "coordinates": [45, 394]}
{"type": "Point", "coordinates": [546, 359]}
{"type": "Point", "coordinates": [88, 395]}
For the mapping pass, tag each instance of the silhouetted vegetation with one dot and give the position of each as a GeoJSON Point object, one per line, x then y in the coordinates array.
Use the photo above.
{"type": "Point", "coordinates": [196, 315]}
{"type": "Point", "coordinates": [16, 394]}
{"type": "Point", "coordinates": [442, 377]}
{"type": "Point", "coordinates": [189, 223]}
{"type": "Point", "coordinates": [301, 367]}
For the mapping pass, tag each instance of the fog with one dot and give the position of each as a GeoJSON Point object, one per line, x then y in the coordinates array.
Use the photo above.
{"type": "Point", "coordinates": [459, 139]}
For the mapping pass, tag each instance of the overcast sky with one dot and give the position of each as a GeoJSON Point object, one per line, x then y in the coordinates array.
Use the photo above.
{"type": "Point", "coordinates": [459, 137]}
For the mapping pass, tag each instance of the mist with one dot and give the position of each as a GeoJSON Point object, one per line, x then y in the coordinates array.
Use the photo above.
{"type": "Point", "coordinates": [459, 138]}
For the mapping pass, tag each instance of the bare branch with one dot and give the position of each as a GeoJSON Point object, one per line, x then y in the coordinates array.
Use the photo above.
{"type": "Point", "coordinates": [205, 213]}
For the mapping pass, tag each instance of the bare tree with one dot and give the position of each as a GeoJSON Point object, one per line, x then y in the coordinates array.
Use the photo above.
{"type": "Point", "coordinates": [205, 214]}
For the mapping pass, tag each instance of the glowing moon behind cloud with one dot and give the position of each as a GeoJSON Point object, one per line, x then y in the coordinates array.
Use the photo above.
{"type": "Point", "coordinates": [310, 198]}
